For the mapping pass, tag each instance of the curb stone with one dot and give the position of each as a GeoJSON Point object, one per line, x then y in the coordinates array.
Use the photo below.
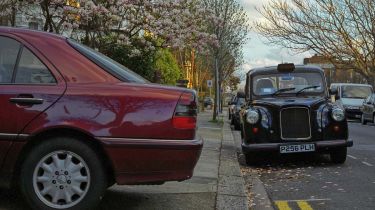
{"type": "Point", "coordinates": [260, 199]}
{"type": "Point", "coordinates": [231, 192]}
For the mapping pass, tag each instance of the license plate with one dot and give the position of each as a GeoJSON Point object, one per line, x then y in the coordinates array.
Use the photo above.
{"type": "Point", "coordinates": [297, 148]}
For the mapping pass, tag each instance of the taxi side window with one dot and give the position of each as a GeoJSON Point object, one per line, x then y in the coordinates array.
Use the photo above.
{"type": "Point", "coordinates": [8, 58]}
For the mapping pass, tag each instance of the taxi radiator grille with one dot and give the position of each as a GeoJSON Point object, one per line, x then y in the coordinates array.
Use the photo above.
{"type": "Point", "coordinates": [295, 123]}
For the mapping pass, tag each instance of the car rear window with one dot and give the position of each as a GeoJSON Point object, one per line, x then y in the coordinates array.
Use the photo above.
{"type": "Point", "coordinates": [114, 68]}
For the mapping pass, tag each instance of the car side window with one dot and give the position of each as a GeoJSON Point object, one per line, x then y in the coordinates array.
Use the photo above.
{"type": "Point", "coordinates": [32, 71]}
{"type": "Point", "coordinates": [8, 57]}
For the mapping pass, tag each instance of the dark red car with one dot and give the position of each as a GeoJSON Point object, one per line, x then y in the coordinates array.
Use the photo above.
{"type": "Point", "coordinates": [74, 122]}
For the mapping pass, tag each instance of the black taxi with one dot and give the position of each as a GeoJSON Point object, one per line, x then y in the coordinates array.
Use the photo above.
{"type": "Point", "coordinates": [289, 110]}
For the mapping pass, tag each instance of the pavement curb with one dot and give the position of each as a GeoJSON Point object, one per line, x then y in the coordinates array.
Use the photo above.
{"type": "Point", "coordinates": [231, 192]}
{"type": "Point", "coordinates": [259, 197]}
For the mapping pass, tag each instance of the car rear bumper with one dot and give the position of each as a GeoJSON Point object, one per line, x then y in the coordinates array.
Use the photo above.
{"type": "Point", "coordinates": [142, 161]}
{"type": "Point", "coordinates": [274, 147]}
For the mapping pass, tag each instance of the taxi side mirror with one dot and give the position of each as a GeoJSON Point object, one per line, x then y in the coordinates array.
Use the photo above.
{"type": "Point", "coordinates": [334, 92]}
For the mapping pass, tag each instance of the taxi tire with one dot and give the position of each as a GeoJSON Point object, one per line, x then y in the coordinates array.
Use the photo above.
{"type": "Point", "coordinates": [338, 155]}
{"type": "Point", "coordinates": [237, 126]}
{"type": "Point", "coordinates": [252, 159]}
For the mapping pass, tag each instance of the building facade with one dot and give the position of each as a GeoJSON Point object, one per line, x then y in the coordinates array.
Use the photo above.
{"type": "Point", "coordinates": [333, 74]}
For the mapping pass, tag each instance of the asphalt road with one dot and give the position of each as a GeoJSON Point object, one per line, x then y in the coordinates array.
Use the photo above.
{"type": "Point", "coordinates": [311, 182]}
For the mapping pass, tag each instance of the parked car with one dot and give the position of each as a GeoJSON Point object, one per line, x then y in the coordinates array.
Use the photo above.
{"type": "Point", "coordinates": [235, 108]}
{"type": "Point", "coordinates": [350, 97]}
{"type": "Point", "coordinates": [289, 111]}
{"type": "Point", "coordinates": [231, 106]}
{"type": "Point", "coordinates": [73, 122]}
{"type": "Point", "coordinates": [368, 110]}
{"type": "Point", "coordinates": [208, 101]}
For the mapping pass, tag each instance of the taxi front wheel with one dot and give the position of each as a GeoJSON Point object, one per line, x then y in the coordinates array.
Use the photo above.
{"type": "Point", "coordinates": [338, 155]}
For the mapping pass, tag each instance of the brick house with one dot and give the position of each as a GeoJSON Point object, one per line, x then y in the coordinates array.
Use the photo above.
{"type": "Point", "coordinates": [333, 74]}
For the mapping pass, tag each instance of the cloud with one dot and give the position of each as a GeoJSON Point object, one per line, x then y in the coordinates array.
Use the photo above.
{"type": "Point", "coordinates": [257, 53]}
{"type": "Point", "coordinates": [250, 7]}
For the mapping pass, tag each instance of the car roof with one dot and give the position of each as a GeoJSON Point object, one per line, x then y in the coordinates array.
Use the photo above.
{"type": "Point", "coordinates": [351, 84]}
{"type": "Point", "coordinates": [29, 32]}
{"type": "Point", "coordinates": [273, 69]}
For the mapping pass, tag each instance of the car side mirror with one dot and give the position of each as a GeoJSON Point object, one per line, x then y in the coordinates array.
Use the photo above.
{"type": "Point", "coordinates": [333, 92]}
{"type": "Point", "coordinates": [368, 102]}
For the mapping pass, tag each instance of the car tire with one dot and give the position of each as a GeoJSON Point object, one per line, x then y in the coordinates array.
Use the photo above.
{"type": "Point", "coordinates": [237, 126]}
{"type": "Point", "coordinates": [252, 159]}
{"type": "Point", "coordinates": [338, 155]}
{"type": "Point", "coordinates": [363, 121]}
{"type": "Point", "coordinates": [71, 171]}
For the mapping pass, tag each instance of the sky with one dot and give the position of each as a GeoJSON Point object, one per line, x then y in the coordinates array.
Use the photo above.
{"type": "Point", "coordinates": [257, 52]}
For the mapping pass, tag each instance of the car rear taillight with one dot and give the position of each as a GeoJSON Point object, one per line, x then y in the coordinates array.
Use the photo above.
{"type": "Point", "coordinates": [185, 115]}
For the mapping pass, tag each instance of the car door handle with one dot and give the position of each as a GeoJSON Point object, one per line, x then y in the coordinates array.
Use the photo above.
{"type": "Point", "coordinates": [26, 101]}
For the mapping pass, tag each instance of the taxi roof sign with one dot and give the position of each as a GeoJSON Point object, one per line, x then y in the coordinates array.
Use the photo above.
{"type": "Point", "coordinates": [286, 67]}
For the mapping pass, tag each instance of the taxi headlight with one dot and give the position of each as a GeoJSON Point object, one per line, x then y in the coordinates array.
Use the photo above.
{"type": "Point", "coordinates": [252, 116]}
{"type": "Point", "coordinates": [338, 114]}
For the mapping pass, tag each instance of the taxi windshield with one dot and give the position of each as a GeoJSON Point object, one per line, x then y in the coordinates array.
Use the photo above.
{"type": "Point", "coordinates": [288, 83]}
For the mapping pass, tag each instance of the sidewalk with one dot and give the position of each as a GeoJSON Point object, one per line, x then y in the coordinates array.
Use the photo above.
{"type": "Point", "coordinates": [216, 184]}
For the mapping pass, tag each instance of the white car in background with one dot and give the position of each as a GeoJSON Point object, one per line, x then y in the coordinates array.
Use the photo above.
{"type": "Point", "coordinates": [350, 96]}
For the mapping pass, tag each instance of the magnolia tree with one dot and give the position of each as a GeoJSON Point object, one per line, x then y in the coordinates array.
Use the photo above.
{"type": "Point", "coordinates": [149, 23]}
{"type": "Point", "coordinates": [146, 24]}
{"type": "Point", "coordinates": [232, 34]}
{"type": "Point", "coordinates": [133, 29]}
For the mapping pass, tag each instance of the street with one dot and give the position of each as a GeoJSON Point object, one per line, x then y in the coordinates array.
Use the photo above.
{"type": "Point", "coordinates": [311, 182]}
{"type": "Point", "coordinates": [302, 181]}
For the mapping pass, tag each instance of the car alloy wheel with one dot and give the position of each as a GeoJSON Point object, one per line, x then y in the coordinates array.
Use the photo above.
{"type": "Point", "coordinates": [61, 179]}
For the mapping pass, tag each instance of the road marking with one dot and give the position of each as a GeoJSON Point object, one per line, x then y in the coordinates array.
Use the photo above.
{"type": "Point", "coordinates": [312, 199]}
{"type": "Point", "coordinates": [303, 205]}
{"type": "Point", "coordinates": [366, 163]}
{"type": "Point", "coordinates": [352, 157]}
{"type": "Point", "coordinates": [282, 205]}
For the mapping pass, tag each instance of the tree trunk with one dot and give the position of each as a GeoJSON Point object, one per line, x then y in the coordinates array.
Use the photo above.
{"type": "Point", "coordinates": [13, 18]}
{"type": "Point", "coordinates": [216, 103]}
